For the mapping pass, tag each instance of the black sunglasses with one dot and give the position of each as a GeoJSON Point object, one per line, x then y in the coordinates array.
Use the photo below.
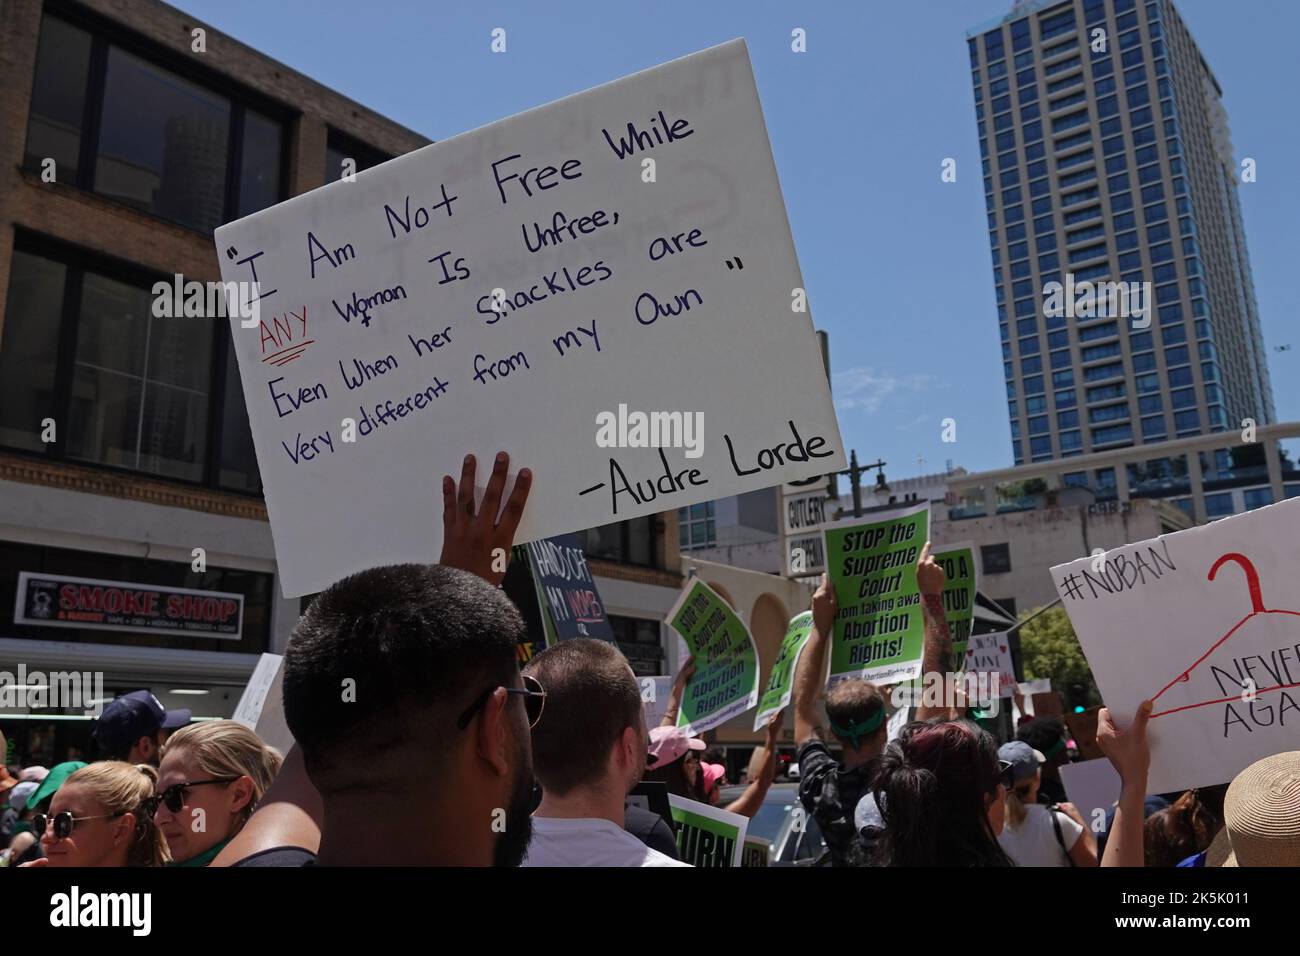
{"type": "Point", "coordinates": [174, 797]}
{"type": "Point", "coordinates": [532, 692]}
{"type": "Point", "coordinates": [65, 822]}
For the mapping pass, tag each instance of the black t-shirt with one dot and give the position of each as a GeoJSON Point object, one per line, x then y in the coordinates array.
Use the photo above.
{"type": "Point", "coordinates": [650, 828]}
{"type": "Point", "coordinates": [1050, 791]}
{"type": "Point", "coordinates": [280, 856]}
{"type": "Point", "coordinates": [830, 794]}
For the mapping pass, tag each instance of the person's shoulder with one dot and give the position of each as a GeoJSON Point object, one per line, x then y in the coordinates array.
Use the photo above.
{"type": "Point", "coordinates": [654, 858]}
{"type": "Point", "coordinates": [280, 856]}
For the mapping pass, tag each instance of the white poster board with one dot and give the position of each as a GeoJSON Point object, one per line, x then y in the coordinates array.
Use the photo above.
{"type": "Point", "coordinates": [1199, 622]}
{"type": "Point", "coordinates": [1093, 787]}
{"type": "Point", "coordinates": [991, 654]}
{"type": "Point", "coordinates": [534, 286]}
{"type": "Point", "coordinates": [261, 707]}
{"type": "Point", "coordinates": [708, 835]}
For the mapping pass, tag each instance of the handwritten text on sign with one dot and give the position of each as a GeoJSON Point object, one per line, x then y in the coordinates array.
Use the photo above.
{"type": "Point", "coordinates": [1205, 624]}
{"type": "Point", "coordinates": [503, 288]}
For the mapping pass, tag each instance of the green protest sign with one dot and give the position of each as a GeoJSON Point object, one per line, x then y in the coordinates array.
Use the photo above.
{"type": "Point", "coordinates": [707, 836]}
{"type": "Point", "coordinates": [776, 695]}
{"type": "Point", "coordinates": [879, 628]}
{"type": "Point", "coordinates": [725, 682]}
{"type": "Point", "coordinates": [958, 562]}
{"type": "Point", "coordinates": [756, 852]}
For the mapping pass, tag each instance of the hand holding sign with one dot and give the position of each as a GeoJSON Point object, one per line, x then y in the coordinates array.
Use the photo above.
{"type": "Point", "coordinates": [471, 540]}
{"type": "Point", "coordinates": [1126, 749]}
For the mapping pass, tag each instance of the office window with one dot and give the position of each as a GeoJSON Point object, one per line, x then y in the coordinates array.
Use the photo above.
{"type": "Point", "coordinates": [635, 542]}
{"type": "Point", "coordinates": [1218, 505]}
{"type": "Point", "coordinates": [996, 558]}
{"type": "Point", "coordinates": [138, 390]}
{"type": "Point", "coordinates": [696, 527]}
{"type": "Point", "coordinates": [340, 148]}
{"type": "Point", "coordinates": [160, 142]}
{"type": "Point", "coordinates": [29, 352]}
{"type": "Point", "coordinates": [58, 98]}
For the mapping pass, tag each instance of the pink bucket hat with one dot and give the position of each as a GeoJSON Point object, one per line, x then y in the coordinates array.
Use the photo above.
{"type": "Point", "coordinates": [668, 744]}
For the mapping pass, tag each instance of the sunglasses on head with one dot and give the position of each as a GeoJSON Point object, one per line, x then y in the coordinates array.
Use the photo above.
{"type": "Point", "coordinates": [175, 797]}
{"type": "Point", "coordinates": [534, 700]}
{"type": "Point", "coordinates": [65, 822]}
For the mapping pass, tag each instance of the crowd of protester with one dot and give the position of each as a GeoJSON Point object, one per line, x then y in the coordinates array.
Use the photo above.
{"type": "Point", "coordinates": [449, 754]}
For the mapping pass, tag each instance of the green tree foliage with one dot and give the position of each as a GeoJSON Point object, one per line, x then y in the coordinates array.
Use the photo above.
{"type": "Point", "coordinates": [1049, 648]}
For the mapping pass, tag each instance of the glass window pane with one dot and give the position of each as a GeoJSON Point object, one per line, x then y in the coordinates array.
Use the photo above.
{"type": "Point", "coordinates": [259, 168]}
{"type": "Point", "coordinates": [58, 97]}
{"type": "Point", "coordinates": [162, 143]}
{"type": "Point", "coordinates": [140, 384]}
{"type": "Point", "coordinates": [29, 345]}
{"type": "Point", "coordinates": [238, 457]}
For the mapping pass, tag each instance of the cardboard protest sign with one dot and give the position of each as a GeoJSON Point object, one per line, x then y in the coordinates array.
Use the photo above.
{"type": "Point", "coordinates": [959, 566]}
{"type": "Point", "coordinates": [261, 706]}
{"type": "Point", "coordinates": [879, 629]}
{"type": "Point", "coordinates": [707, 836]}
{"type": "Point", "coordinates": [605, 287]}
{"type": "Point", "coordinates": [1049, 704]}
{"type": "Point", "coordinates": [990, 654]}
{"type": "Point", "coordinates": [780, 682]}
{"type": "Point", "coordinates": [567, 591]}
{"type": "Point", "coordinates": [725, 682]}
{"type": "Point", "coordinates": [1092, 786]}
{"type": "Point", "coordinates": [1197, 622]}
{"type": "Point", "coordinates": [1083, 728]}
{"type": "Point", "coordinates": [755, 852]}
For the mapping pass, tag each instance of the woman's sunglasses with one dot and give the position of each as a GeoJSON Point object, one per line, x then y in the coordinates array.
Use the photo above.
{"type": "Point", "coordinates": [532, 692]}
{"type": "Point", "coordinates": [174, 797]}
{"type": "Point", "coordinates": [65, 822]}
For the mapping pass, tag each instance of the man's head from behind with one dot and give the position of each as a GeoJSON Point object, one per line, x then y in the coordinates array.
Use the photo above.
{"type": "Point", "coordinates": [1046, 735]}
{"type": "Point", "coordinates": [592, 733]}
{"type": "Point", "coordinates": [395, 687]}
{"type": "Point", "coordinates": [856, 711]}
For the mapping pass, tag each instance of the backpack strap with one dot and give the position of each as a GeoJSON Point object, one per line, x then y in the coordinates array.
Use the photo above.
{"type": "Point", "coordinates": [1060, 838]}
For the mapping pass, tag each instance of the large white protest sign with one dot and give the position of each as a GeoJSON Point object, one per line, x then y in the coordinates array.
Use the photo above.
{"type": "Point", "coordinates": [261, 706]}
{"type": "Point", "coordinates": [1198, 622]}
{"type": "Point", "coordinates": [605, 287]}
{"type": "Point", "coordinates": [1093, 787]}
{"type": "Point", "coordinates": [991, 654]}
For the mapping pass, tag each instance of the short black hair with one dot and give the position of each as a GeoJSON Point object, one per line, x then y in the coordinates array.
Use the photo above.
{"type": "Point", "coordinates": [1043, 734]}
{"type": "Point", "coordinates": [417, 643]}
{"type": "Point", "coordinates": [591, 698]}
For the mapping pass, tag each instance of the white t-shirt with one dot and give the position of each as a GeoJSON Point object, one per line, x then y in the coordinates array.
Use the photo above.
{"type": "Point", "coordinates": [588, 841]}
{"type": "Point", "coordinates": [1034, 843]}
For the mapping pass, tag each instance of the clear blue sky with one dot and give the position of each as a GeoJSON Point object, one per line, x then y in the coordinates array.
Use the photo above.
{"type": "Point", "coordinates": [896, 262]}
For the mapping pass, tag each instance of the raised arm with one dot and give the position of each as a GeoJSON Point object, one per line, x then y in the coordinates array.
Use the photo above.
{"type": "Point", "coordinates": [937, 651]}
{"type": "Point", "coordinates": [812, 666]}
{"type": "Point", "coordinates": [748, 803]}
{"type": "Point", "coordinates": [1130, 754]}
{"type": "Point", "coordinates": [291, 813]}
{"type": "Point", "coordinates": [675, 695]}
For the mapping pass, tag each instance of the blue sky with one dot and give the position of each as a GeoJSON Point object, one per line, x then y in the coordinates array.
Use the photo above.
{"type": "Point", "coordinates": [896, 261]}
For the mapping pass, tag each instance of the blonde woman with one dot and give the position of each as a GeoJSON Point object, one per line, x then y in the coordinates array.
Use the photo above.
{"type": "Point", "coordinates": [101, 817]}
{"type": "Point", "coordinates": [1034, 834]}
{"type": "Point", "coordinates": [211, 777]}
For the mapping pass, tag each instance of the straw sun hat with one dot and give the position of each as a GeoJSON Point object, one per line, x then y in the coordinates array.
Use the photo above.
{"type": "Point", "coordinates": [1262, 813]}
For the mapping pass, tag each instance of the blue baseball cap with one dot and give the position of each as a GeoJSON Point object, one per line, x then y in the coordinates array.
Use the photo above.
{"type": "Point", "coordinates": [1024, 759]}
{"type": "Point", "coordinates": [130, 717]}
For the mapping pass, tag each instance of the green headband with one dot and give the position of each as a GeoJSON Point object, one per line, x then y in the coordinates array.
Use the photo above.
{"type": "Point", "coordinates": [1055, 749]}
{"type": "Point", "coordinates": [860, 730]}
